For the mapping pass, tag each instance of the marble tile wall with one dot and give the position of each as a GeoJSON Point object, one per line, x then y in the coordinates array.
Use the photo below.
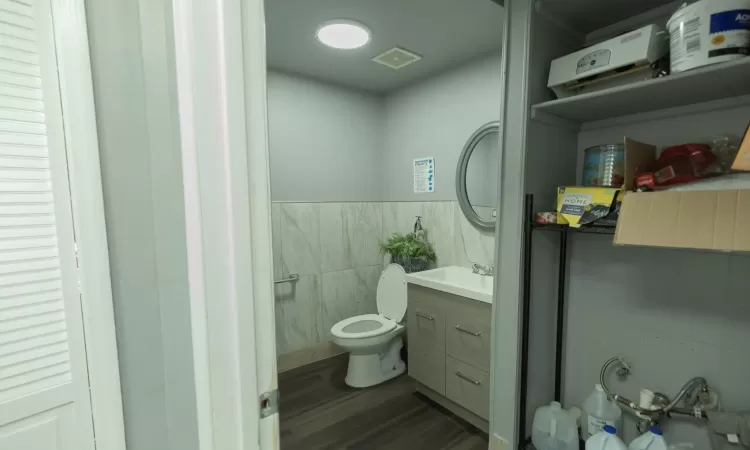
{"type": "Point", "coordinates": [334, 249]}
{"type": "Point", "coordinates": [456, 241]}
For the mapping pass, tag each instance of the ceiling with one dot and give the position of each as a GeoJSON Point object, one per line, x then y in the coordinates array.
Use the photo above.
{"type": "Point", "coordinates": [446, 33]}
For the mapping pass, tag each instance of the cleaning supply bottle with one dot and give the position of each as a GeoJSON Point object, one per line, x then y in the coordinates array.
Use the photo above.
{"type": "Point", "coordinates": [554, 429]}
{"type": "Point", "coordinates": [606, 440]}
{"type": "Point", "coordinates": [652, 440]}
{"type": "Point", "coordinates": [598, 411]}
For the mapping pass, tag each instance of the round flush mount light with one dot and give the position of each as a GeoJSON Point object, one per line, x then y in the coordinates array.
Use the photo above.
{"type": "Point", "coordinates": [343, 34]}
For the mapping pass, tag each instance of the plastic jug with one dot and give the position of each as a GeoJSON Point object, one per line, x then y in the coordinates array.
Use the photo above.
{"type": "Point", "coordinates": [598, 411]}
{"type": "Point", "coordinates": [606, 440]}
{"type": "Point", "coordinates": [554, 429]}
{"type": "Point", "coordinates": [652, 440]}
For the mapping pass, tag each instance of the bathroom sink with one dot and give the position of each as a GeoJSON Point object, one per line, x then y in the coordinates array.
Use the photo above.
{"type": "Point", "coordinates": [455, 280]}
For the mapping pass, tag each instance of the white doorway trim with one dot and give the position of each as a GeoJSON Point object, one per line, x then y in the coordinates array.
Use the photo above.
{"type": "Point", "coordinates": [227, 209]}
{"type": "Point", "coordinates": [79, 121]}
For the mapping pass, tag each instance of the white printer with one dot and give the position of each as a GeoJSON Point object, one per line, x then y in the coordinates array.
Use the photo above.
{"type": "Point", "coordinates": [622, 60]}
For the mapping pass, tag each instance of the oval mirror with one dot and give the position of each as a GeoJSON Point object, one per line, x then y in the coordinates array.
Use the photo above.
{"type": "Point", "coordinates": [476, 177]}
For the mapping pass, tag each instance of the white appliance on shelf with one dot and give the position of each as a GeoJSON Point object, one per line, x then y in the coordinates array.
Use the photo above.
{"type": "Point", "coordinates": [625, 59]}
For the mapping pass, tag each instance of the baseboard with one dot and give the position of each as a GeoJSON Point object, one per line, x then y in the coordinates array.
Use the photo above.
{"type": "Point", "coordinates": [299, 358]}
{"type": "Point", "coordinates": [498, 443]}
{"type": "Point", "coordinates": [455, 408]}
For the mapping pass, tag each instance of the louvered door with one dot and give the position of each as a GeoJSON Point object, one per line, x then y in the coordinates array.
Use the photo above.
{"type": "Point", "coordinates": [44, 395]}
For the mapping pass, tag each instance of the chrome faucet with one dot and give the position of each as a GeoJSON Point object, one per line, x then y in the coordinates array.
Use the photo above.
{"type": "Point", "coordinates": [482, 270]}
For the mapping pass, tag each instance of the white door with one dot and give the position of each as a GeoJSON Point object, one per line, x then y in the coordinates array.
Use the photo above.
{"type": "Point", "coordinates": [44, 389]}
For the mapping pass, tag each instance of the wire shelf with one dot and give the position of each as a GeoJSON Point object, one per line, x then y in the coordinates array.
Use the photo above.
{"type": "Point", "coordinates": [590, 229]}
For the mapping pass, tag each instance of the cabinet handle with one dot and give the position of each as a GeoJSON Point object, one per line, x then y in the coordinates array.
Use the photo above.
{"type": "Point", "coordinates": [464, 330]}
{"type": "Point", "coordinates": [464, 377]}
{"type": "Point", "coordinates": [424, 316]}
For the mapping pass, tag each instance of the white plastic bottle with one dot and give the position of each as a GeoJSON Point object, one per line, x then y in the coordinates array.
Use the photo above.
{"type": "Point", "coordinates": [598, 411]}
{"type": "Point", "coordinates": [606, 440]}
{"type": "Point", "coordinates": [652, 440]}
{"type": "Point", "coordinates": [554, 429]}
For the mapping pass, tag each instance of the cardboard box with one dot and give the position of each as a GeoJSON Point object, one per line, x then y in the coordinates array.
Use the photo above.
{"type": "Point", "coordinates": [742, 162]}
{"type": "Point", "coordinates": [710, 220]}
{"type": "Point", "coordinates": [577, 206]}
{"type": "Point", "coordinates": [639, 158]}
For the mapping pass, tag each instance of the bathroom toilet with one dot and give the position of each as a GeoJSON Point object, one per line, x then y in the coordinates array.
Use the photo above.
{"type": "Point", "coordinates": [374, 341]}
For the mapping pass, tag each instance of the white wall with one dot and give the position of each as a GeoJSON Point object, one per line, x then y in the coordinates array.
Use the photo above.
{"type": "Point", "coordinates": [435, 118]}
{"type": "Point", "coordinates": [326, 141]}
{"type": "Point", "coordinates": [141, 175]}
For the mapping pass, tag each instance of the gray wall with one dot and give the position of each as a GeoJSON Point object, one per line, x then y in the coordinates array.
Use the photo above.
{"type": "Point", "coordinates": [141, 174]}
{"type": "Point", "coordinates": [326, 141]}
{"type": "Point", "coordinates": [435, 118]}
{"type": "Point", "coordinates": [334, 144]}
{"type": "Point", "coordinates": [680, 313]}
{"type": "Point", "coordinates": [673, 314]}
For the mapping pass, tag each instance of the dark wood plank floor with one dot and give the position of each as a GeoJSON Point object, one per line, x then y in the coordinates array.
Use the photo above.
{"type": "Point", "coordinates": [319, 411]}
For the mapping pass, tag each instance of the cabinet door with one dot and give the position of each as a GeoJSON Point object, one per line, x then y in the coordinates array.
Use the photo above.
{"type": "Point", "coordinates": [426, 326]}
{"type": "Point", "coordinates": [468, 334]}
{"type": "Point", "coordinates": [468, 386]}
{"type": "Point", "coordinates": [428, 367]}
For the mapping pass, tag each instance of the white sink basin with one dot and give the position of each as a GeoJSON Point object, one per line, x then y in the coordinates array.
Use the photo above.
{"type": "Point", "coordinates": [455, 280]}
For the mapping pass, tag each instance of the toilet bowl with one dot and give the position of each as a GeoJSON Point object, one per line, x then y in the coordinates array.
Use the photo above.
{"type": "Point", "coordinates": [374, 340]}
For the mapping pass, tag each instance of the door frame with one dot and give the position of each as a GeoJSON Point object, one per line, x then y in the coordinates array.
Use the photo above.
{"type": "Point", "coordinates": [79, 124]}
{"type": "Point", "coordinates": [221, 82]}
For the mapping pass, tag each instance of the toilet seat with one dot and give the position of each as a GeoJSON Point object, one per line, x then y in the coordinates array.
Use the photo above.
{"type": "Point", "coordinates": [386, 325]}
{"type": "Point", "coordinates": [391, 302]}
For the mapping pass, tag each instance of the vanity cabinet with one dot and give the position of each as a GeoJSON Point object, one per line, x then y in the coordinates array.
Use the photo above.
{"type": "Point", "coordinates": [449, 351]}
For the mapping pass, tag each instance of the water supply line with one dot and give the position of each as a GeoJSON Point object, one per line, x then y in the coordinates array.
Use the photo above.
{"type": "Point", "coordinates": [666, 407]}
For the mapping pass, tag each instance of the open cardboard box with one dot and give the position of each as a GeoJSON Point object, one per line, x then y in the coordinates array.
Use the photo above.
{"type": "Point", "coordinates": [742, 162]}
{"type": "Point", "coordinates": [707, 220]}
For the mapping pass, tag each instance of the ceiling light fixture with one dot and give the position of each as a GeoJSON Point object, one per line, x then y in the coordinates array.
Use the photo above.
{"type": "Point", "coordinates": [343, 34]}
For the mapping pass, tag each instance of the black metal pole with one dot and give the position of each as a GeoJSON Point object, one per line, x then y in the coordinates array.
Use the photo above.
{"type": "Point", "coordinates": [526, 306]}
{"type": "Point", "coordinates": [561, 281]}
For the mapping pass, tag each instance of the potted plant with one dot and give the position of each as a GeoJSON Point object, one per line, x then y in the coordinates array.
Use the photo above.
{"type": "Point", "coordinates": [410, 251]}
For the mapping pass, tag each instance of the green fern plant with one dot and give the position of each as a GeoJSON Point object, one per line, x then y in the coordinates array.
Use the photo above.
{"type": "Point", "coordinates": [408, 245]}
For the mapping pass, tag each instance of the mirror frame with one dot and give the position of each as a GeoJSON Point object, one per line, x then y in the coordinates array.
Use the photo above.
{"type": "Point", "coordinates": [463, 164]}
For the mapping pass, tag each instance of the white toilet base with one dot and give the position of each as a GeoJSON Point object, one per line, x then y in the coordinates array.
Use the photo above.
{"type": "Point", "coordinates": [370, 369]}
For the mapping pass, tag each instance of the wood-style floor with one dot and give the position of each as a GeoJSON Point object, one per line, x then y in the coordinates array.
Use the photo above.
{"type": "Point", "coordinates": [319, 411]}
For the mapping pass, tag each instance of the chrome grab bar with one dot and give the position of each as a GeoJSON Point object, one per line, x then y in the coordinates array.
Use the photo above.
{"type": "Point", "coordinates": [293, 278]}
{"type": "Point", "coordinates": [464, 377]}
{"type": "Point", "coordinates": [464, 330]}
{"type": "Point", "coordinates": [424, 316]}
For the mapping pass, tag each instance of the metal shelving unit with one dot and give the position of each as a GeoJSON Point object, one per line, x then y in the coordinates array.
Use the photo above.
{"type": "Point", "coordinates": [530, 227]}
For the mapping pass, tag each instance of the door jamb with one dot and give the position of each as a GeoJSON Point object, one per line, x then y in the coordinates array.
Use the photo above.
{"type": "Point", "coordinates": [227, 211]}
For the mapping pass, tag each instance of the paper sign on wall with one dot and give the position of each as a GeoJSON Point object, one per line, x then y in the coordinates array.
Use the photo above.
{"type": "Point", "coordinates": [424, 175]}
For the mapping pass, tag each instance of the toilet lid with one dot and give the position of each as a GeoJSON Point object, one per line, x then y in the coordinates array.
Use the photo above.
{"type": "Point", "coordinates": [392, 293]}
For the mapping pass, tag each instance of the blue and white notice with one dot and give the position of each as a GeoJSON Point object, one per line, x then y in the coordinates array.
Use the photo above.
{"type": "Point", "coordinates": [424, 175]}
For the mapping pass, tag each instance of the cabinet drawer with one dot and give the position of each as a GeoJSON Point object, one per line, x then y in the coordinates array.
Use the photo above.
{"type": "Point", "coordinates": [468, 335]}
{"type": "Point", "coordinates": [425, 327]}
{"type": "Point", "coordinates": [468, 386]}
{"type": "Point", "coordinates": [428, 367]}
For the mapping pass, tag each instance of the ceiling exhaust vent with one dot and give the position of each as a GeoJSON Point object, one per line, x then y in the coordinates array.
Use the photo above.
{"type": "Point", "coordinates": [397, 58]}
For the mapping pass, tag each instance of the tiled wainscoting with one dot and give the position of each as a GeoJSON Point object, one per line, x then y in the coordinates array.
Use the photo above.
{"type": "Point", "coordinates": [334, 249]}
